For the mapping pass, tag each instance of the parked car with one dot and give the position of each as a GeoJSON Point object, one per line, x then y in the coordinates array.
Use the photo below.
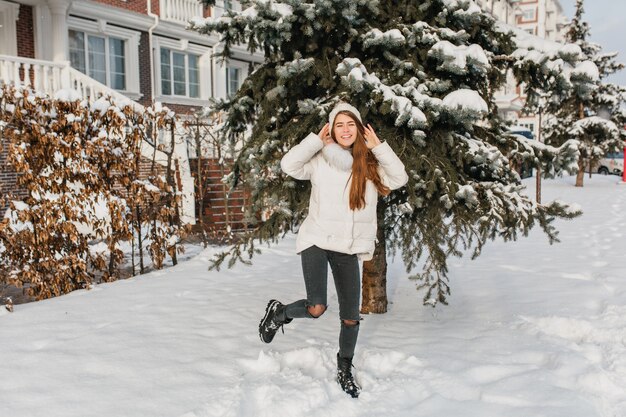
{"type": "Point", "coordinates": [525, 169]}
{"type": "Point", "coordinates": [612, 163]}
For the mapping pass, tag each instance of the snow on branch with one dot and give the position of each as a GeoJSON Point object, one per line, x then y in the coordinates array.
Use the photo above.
{"type": "Point", "coordinates": [78, 168]}
{"type": "Point", "coordinates": [391, 38]}
{"type": "Point", "coordinates": [553, 160]}
{"type": "Point", "coordinates": [594, 122]}
{"type": "Point", "coordinates": [356, 76]}
{"type": "Point", "coordinates": [586, 69]}
{"type": "Point", "coordinates": [526, 42]}
{"type": "Point", "coordinates": [67, 96]}
{"type": "Point", "coordinates": [456, 59]}
{"type": "Point", "coordinates": [466, 101]}
{"type": "Point", "coordinates": [555, 56]}
{"type": "Point", "coordinates": [295, 67]}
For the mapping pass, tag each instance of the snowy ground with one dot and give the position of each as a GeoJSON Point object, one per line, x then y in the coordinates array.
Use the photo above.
{"type": "Point", "coordinates": [532, 330]}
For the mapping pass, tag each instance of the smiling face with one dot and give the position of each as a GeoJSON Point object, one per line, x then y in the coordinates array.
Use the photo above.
{"type": "Point", "coordinates": [344, 130]}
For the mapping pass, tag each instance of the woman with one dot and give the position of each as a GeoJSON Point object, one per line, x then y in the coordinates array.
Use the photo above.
{"type": "Point", "coordinates": [347, 176]}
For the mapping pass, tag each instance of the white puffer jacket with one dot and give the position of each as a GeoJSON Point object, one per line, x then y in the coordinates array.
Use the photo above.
{"type": "Point", "coordinates": [331, 224]}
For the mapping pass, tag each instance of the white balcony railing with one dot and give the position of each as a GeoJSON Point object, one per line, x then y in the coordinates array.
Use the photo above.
{"type": "Point", "coordinates": [49, 77]}
{"type": "Point", "coordinates": [43, 76]}
{"type": "Point", "coordinates": [180, 11]}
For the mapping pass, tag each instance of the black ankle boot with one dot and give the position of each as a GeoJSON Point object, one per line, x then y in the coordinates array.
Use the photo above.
{"type": "Point", "coordinates": [273, 319]}
{"type": "Point", "coordinates": [345, 378]}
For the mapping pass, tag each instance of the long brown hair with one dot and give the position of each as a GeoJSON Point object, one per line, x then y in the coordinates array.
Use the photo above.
{"type": "Point", "coordinates": [364, 166]}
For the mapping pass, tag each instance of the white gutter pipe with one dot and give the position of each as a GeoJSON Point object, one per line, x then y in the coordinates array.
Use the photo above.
{"type": "Point", "coordinates": [152, 72]}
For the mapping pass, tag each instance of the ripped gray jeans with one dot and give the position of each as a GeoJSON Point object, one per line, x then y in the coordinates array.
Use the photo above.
{"type": "Point", "coordinates": [347, 278]}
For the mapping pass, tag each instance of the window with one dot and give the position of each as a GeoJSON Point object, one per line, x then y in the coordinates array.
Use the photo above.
{"type": "Point", "coordinates": [232, 80]}
{"type": "Point", "coordinates": [228, 5]}
{"type": "Point", "coordinates": [528, 15]}
{"type": "Point", "coordinates": [180, 74]}
{"type": "Point", "coordinates": [101, 57]}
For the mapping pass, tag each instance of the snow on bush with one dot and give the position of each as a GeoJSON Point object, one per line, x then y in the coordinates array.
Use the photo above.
{"type": "Point", "coordinates": [78, 166]}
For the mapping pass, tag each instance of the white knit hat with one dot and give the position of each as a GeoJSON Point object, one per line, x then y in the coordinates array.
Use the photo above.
{"type": "Point", "coordinates": [343, 107]}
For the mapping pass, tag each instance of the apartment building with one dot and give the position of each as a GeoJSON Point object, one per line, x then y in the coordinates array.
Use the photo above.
{"type": "Point", "coordinates": [542, 18]}
{"type": "Point", "coordinates": [139, 48]}
{"type": "Point", "coordinates": [132, 49]}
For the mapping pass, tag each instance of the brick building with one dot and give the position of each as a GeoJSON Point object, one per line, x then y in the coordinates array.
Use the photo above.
{"type": "Point", "coordinates": [136, 49]}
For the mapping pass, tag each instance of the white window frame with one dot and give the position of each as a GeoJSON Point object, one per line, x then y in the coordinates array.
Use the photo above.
{"type": "Point", "coordinates": [221, 87]}
{"type": "Point", "coordinates": [107, 60]}
{"type": "Point", "coordinates": [228, 80]}
{"type": "Point", "coordinates": [204, 67]}
{"type": "Point", "coordinates": [186, 67]}
{"type": "Point", "coordinates": [131, 40]}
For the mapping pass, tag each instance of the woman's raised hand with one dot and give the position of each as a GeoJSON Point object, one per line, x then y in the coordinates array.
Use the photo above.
{"type": "Point", "coordinates": [371, 140]}
{"type": "Point", "coordinates": [325, 135]}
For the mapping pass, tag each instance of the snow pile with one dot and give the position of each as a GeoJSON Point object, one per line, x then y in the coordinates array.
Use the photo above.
{"type": "Point", "coordinates": [531, 330]}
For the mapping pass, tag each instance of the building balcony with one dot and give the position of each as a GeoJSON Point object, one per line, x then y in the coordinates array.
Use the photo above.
{"type": "Point", "coordinates": [181, 11]}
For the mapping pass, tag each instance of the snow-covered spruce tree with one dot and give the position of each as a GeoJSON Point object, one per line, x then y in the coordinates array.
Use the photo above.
{"type": "Point", "coordinates": [423, 74]}
{"type": "Point", "coordinates": [592, 114]}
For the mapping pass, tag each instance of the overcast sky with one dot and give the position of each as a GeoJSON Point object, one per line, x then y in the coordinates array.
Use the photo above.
{"type": "Point", "coordinates": [607, 21]}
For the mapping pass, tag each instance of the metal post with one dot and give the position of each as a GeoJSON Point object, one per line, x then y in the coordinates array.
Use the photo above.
{"type": "Point", "coordinates": [624, 170]}
{"type": "Point", "coordinates": [538, 178]}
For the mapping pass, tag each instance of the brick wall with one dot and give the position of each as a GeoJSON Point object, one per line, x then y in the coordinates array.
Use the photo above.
{"type": "Point", "coordinates": [25, 33]}
{"type": "Point", "coordinates": [139, 6]}
{"type": "Point", "coordinates": [8, 177]}
{"type": "Point", "coordinates": [182, 109]}
{"type": "Point", "coordinates": [145, 86]}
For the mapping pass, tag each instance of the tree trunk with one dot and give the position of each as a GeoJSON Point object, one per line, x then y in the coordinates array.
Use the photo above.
{"type": "Point", "coordinates": [139, 239]}
{"type": "Point", "coordinates": [581, 161]}
{"type": "Point", "coordinates": [200, 186]}
{"type": "Point", "coordinates": [375, 273]}
{"type": "Point", "coordinates": [174, 220]}
{"type": "Point", "coordinates": [581, 172]}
